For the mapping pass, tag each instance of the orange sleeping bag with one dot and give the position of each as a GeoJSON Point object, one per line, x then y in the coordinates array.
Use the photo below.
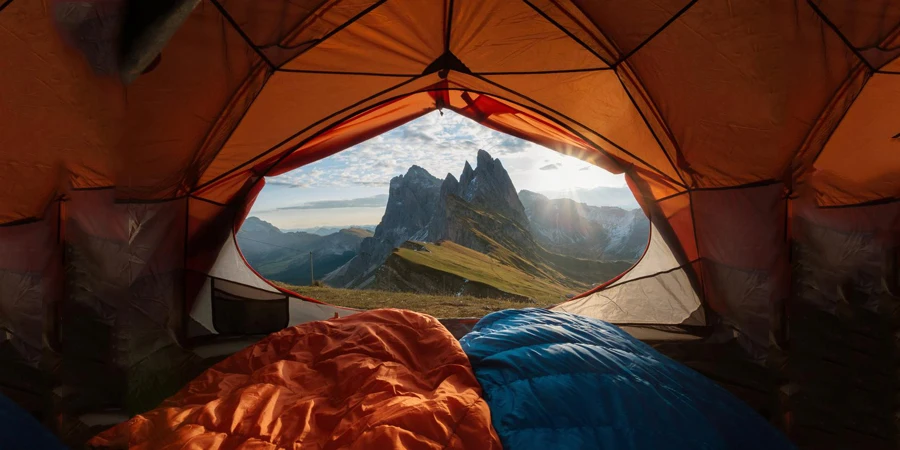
{"type": "Point", "coordinates": [384, 379]}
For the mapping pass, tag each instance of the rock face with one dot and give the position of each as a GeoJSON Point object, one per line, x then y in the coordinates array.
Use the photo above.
{"type": "Point", "coordinates": [489, 187]}
{"type": "Point", "coordinates": [479, 208]}
{"type": "Point", "coordinates": [482, 211]}
{"type": "Point", "coordinates": [483, 202]}
{"type": "Point", "coordinates": [412, 202]}
{"type": "Point", "coordinates": [576, 229]}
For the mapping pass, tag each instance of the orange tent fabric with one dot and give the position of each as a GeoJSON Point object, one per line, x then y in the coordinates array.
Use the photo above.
{"type": "Point", "coordinates": [385, 379]}
{"type": "Point", "coordinates": [760, 138]}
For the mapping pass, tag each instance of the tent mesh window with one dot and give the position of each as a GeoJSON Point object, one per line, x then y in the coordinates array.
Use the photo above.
{"type": "Point", "coordinates": [239, 309]}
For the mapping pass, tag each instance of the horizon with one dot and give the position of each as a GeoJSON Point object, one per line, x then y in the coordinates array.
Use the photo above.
{"type": "Point", "coordinates": [351, 187]}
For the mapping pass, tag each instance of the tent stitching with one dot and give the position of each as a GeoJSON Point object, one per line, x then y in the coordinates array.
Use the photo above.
{"type": "Point", "coordinates": [601, 40]}
{"type": "Point", "coordinates": [320, 9]}
{"type": "Point", "coordinates": [430, 89]}
{"type": "Point", "coordinates": [237, 96]}
{"type": "Point", "coordinates": [212, 202]}
{"type": "Point", "coordinates": [655, 33]}
{"type": "Point", "coordinates": [699, 270]}
{"type": "Point", "coordinates": [654, 109]}
{"type": "Point", "coordinates": [402, 75]}
{"type": "Point", "coordinates": [567, 32]}
{"type": "Point", "coordinates": [241, 32]}
{"type": "Point", "coordinates": [331, 33]}
{"type": "Point", "coordinates": [835, 97]}
{"type": "Point", "coordinates": [840, 35]}
{"type": "Point", "coordinates": [335, 72]}
{"type": "Point", "coordinates": [652, 131]}
{"type": "Point", "coordinates": [448, 27]}
{"type": "Point", "coordinates": [839, 122]}
{"type": "Point", "coordinates": [618, 277]}
{"type": "Point", "coordinates": [644, 277]}
{"type": "Point", "coordinates": [617, 146]}
{"type": "Point", "coordinates": [293, 136]}
{"type": "Point", "coordinates": [752, 184]}
{"type": "Point", "coordinates": [880, 201]}
{"type": "Point", "coordinates": [547, 72]}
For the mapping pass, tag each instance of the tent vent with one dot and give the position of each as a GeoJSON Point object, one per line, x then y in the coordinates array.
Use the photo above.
{"type": "Point", "coordinates": [444, 64]}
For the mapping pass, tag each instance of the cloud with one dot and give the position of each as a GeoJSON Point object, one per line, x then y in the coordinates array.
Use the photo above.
{"type": "Point", "coordinates": [409, 133]}
{"type": "Point", "coordinates": [364, 202]}
{"type": "Point", "coordinates": [550, 167]}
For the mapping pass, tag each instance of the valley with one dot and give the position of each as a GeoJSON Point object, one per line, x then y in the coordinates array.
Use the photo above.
{"type": "Point", "coordinates": [472, 236]}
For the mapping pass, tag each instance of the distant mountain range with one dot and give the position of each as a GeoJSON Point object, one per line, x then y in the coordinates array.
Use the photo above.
{"type": "Point", "coordinates": [621, 197]}
{"type": "Point", "coordinates": [591, 232]}
{"type": "Point", "coordinates": [325, 230]}
{"type": "Point", "coordinates": [284, 256]}
{"type": "Point", "coordinates": [469, 236]}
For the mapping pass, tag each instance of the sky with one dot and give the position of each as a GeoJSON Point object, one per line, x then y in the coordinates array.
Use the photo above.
{"type": "Point", "coordinates": [351, 187]}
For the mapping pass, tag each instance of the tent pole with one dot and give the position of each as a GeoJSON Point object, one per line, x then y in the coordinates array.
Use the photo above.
{"type": "Point", "coordinates": [312, 276]}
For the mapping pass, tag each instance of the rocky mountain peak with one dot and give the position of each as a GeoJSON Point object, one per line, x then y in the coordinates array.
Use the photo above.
{"type": "Point", "coordinates": [484, 159]}
{"type": "Point", "coordinates": [256, 225]}
{"type": "Point", "coordinates": [489, 186]}
{"type": "Point", "coordinates": [449, 186]}
{"type": "Point", "coordinates": [411, 203]}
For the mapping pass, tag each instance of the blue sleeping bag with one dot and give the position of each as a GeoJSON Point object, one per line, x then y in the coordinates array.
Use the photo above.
{"type": "Point", "coordinates": [20, 431]}
{"type": "Point", "coordinates": [560, 381]}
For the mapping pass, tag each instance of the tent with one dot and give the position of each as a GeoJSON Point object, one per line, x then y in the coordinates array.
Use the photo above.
{"type": "Point", "coordinates": [759, 137]}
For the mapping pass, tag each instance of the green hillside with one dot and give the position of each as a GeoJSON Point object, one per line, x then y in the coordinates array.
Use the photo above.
{"type": "Point", "coordinates": [435, 305]}
{"type": "Point", "coordinates": [468, 264]}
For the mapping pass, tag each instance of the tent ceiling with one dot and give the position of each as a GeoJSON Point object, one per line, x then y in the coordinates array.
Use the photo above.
{"type": "Point", "coordinates": [728, 117]}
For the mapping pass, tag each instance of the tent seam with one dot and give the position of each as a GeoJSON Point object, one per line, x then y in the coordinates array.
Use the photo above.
{"type": "Point", "coordinates": [659, 30]}
{"type": "Point", "coordinates": [601, 136]}
{"type": "Point", "coordinates": [331, 33]}
{"type": "Point", "coordinates": [298, 133]}
{"type": "Point", "coordinates": [827, 138]}
{"type": "Point", "coordinates": [449, 27]}
{"type": "Point", "coordinates": [567, 32]}
{"type": "Point", "coordinates": [601, 40]}
{"type": "Point", "coordinates": [545, 72]}
{"type": "Point", "coordinates": [335, 72]}
{"type": "Point", "coordinates": [840, 35]}
{"type": "Point", "coordinates": [241, 32]}
{"type": "Point", "coordinates": [235, 97]}
{"type": "Point", "coordinates": [652, 132]}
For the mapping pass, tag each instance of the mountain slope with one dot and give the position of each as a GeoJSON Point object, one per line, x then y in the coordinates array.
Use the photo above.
{"type": "Point", "coordinates": [621, 197]}
{"type": "Point", "coordinates": [284, 257]}
{"type": "Point", "coordinates": [483, 214]}
{"type": "Point", "coordinates": [448, 268]}
{"type": "Point", "coordinates": [412, 201]}
{"type": "Point", "coordinates": [576, 229]}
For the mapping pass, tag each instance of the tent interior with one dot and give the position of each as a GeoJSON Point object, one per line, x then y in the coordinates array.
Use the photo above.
{"type": "Point", "coordinates": [759, 137]}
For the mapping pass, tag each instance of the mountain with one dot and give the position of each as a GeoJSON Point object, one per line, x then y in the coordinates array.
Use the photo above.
{"type": "Point", "coordinates": [481, 212]}
{"type": "Point", "coordinates": [448, 268]}
{"type": "Point", "coordinates": [325, 230]}
{"type": "Point", "coordinates": [412, 202]}
{"type": "Point", "coordinates": [598, 196]}
{"type": "Point", "coordinates": [284, 256]}
{"type": "Point", "coordinates": [577, 229]}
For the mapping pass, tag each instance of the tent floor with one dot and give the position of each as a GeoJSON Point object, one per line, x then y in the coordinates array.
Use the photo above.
{"type": "Point", "coordinates": [835, 387]}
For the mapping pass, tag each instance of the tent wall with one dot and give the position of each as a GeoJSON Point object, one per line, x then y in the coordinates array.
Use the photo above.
{"type": "Point", "coordinates": [232, 268]}
{"type": "Point", "coordinates": [760, 136]}
{"type": "Point", "coordinates": [657, 290]}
